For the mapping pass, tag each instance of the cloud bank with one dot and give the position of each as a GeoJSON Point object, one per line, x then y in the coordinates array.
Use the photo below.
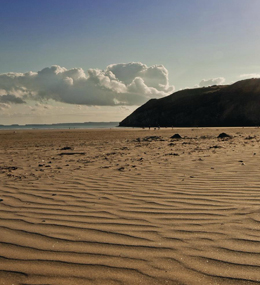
{"type": "Point", "coordinates": [250, 75]}
{"type": "Point", "coordinates": [119, 84]}
{"type": "Point", "coordinates": [212, 81]}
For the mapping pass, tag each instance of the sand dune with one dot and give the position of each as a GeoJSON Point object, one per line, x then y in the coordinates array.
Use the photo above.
{"type": "Point", "coordinates": [130, 206]}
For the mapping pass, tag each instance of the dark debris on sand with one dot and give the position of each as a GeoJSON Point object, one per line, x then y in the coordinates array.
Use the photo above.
{"type": "Point", "coordinates": [71, 153]}
{"type": "Point", "coordinates": [66, 148]}
{"type": "Point", "coordinates": [149, 139]}
{"type": "Point", "coordinates": [9, 168]}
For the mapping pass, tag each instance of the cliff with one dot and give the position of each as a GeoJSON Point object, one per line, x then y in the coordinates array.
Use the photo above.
{"type": "Point", "coordinates": [224, 105]}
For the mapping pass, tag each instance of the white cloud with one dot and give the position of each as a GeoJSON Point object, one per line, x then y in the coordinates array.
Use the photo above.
{"type": "Point", "coordinates": [212, 81]}
{"type": "Point", "coordinates": [250, 75]}
{"type": "Point", "coordinates": [119, 84]}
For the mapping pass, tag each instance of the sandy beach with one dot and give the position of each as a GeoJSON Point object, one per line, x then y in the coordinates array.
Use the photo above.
{"type": "Point", "coordinates": [130, 206]}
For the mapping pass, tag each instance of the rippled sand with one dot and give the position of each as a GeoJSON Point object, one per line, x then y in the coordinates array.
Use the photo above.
{"type": "Point", "coordinates": [125, 207]}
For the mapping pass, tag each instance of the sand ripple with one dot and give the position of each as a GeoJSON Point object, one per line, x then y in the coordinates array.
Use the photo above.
{"type": "Point", "coordinates": [122, 210]}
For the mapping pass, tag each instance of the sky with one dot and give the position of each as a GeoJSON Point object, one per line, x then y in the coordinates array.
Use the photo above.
{"type": "Point", "coordinates": [86, 60]}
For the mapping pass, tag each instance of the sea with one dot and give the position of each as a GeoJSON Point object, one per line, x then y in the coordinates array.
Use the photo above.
{"type": "Point", "coordinates": [86, 125]}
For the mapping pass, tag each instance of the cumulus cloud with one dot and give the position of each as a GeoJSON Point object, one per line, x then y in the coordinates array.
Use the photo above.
{"type": "Point", "coordinates": [11, 99]}
{"type": "Point", "coordinates": [212, 81]}
{"type": "Point", "coordinates": [119, 84]}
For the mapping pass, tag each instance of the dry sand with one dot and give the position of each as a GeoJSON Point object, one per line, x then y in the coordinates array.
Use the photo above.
{"type": "Point", "coordinates": [121, 208]}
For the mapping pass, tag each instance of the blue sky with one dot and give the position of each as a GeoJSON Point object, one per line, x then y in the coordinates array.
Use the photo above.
{"type": "Point", "coordinates": [192, 39]}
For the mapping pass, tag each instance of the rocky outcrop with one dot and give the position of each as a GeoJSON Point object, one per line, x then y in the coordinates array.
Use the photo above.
{"type": "Point", "coordinates": [224, 105]}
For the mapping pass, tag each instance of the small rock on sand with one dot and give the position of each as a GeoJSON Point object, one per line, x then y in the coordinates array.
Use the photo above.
{"type": "Point", "coordinates": [176, 136]}
{"type": "Point", "coordinates": [223, 135]}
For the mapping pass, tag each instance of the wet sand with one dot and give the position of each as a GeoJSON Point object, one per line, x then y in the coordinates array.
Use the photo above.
{"type": "Point", "coordinates": [130, 206]}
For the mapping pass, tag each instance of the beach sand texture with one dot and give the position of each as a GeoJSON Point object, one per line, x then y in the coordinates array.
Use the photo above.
{"type": "Point", "coordinates": [130, 206]}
